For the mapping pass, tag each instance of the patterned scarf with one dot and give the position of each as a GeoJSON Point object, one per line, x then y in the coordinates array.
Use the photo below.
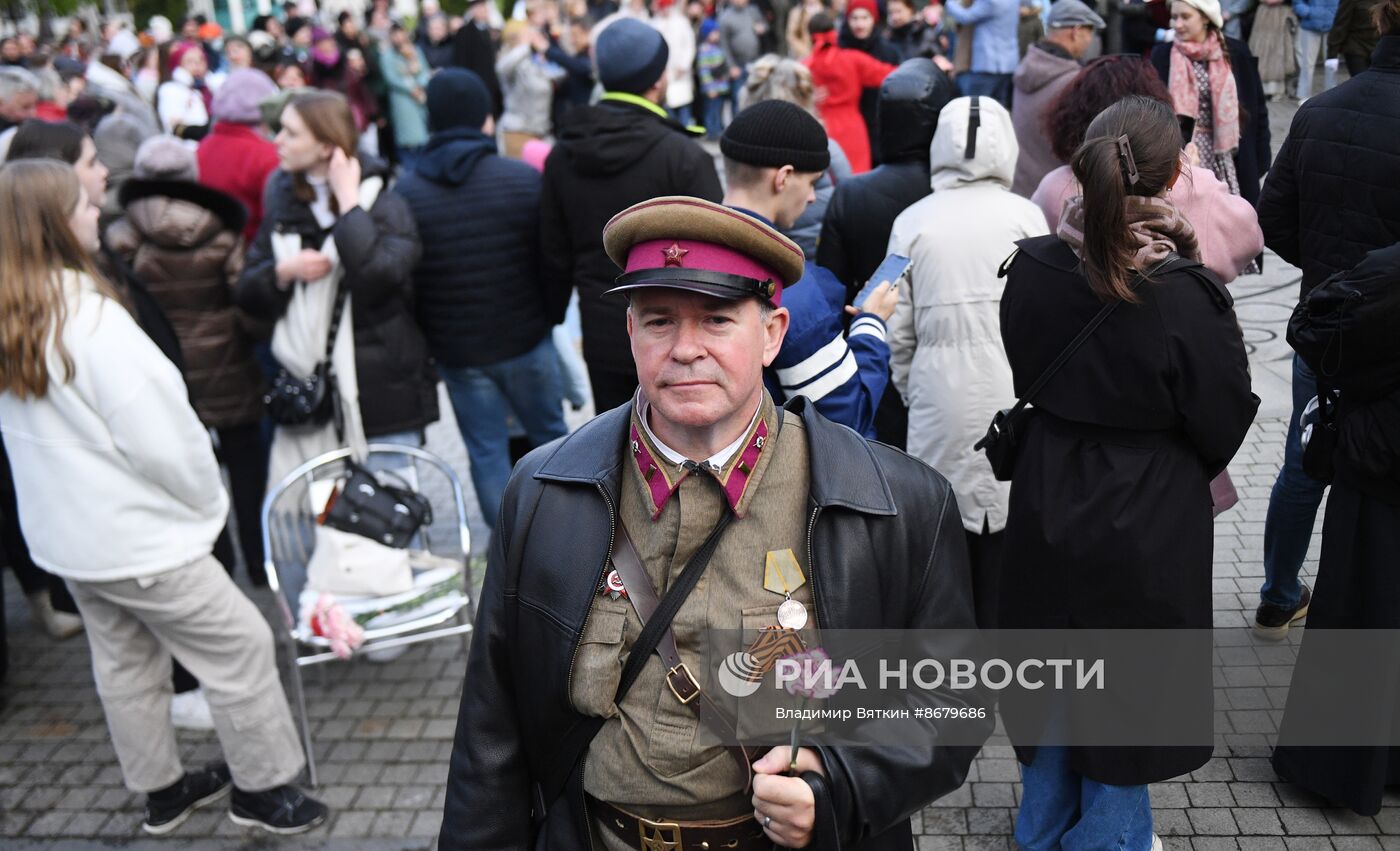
{"type": "Point", "coordinates": [1224, 97]}
{"type": "Point", "coordinates": [1155, 223]}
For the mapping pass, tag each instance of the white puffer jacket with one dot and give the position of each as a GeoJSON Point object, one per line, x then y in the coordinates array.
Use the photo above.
{"type": "Point", "coordinates": [115, 475]}
{"type": "Point", "coordinates": [947, 358]}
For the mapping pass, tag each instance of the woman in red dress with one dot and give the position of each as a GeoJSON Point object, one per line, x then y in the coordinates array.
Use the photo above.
{"type": "Point", "coordinates": [842, 73]}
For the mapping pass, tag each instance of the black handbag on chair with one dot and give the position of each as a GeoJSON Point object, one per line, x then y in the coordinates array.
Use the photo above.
{"type": "Point", "coordinates": [388, 514]}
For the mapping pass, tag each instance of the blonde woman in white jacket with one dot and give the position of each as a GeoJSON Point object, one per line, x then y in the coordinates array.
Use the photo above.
{"type": "Point", "coordinates": [947, 359]}
{"type": "Point", "coordinates": [119, 493]}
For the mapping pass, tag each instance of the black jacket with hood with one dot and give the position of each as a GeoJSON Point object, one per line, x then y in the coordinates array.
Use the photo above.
{"type": "Point", "coordinates": [477, 286]}
{"type": "Point", "coordinates": [608, 157]}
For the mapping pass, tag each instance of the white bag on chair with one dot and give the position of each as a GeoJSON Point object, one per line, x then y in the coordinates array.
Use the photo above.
{"type": "Point", "coordinates": [348, 565]}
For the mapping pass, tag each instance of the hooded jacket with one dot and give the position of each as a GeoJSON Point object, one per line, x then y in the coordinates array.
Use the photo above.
{"type": "Point", "coordinates": [947, 359]}
{"type": "Point", "coordinates": [608, 157]}
{"type": "Point", "coordinates": [184, 240]}
{"type": "Point", "coordinates": [1045, 72]}
{"type": "Point", "coordinates": [856, 228]}
{"type": "Point", "coordinates": [478, 292]}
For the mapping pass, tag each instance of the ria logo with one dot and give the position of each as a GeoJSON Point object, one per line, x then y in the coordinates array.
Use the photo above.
{"type": "Point", "coordinates": [741, 673]}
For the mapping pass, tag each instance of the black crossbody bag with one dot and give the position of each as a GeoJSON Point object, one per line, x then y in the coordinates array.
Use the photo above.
{"type": "Point", "coordinates": [293, 400]}
{"type": "Point", "coordinates": [1001, 443]}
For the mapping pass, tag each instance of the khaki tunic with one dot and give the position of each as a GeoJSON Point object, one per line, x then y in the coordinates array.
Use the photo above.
{"type": "Point", "coordinates": [646, 759]}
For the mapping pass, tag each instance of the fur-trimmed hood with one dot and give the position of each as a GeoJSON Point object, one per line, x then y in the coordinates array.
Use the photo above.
{"type": "Point", "coordinates": [178, 214]}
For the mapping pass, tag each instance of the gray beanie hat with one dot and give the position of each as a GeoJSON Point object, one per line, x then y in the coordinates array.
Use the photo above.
{"type": "Point", "coordinates": [165, 158]}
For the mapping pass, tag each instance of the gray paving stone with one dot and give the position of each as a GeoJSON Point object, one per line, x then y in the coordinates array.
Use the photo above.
{"type": "Point", "coordinates": [1210, 794]}
{"type": "Point", "coordinates": [1300, 821]}
{"type": "Point", "coordinates": [1212, 821]}
{"type": "Point", "coordinates": [989, 820]}
{"type": "Point", "coordinates": [1347, 822]}
{"type": "Point", "coordinates": [1258, 821]}
{"type": "Point", "coordinates": [1261, 843]}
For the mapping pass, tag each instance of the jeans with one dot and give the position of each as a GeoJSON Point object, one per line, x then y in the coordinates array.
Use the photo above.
{"type": "Point", "coordinates": [1288, 526]}
{"type": "Point", "coordinates": [714, 117]}
{"type": "Point", "coordinates": [1309, 45]}
{"type": "Point", "coordinates": [736, 89]}
{"type": "Point", "coordinates": [996, 86]}
{"type": "Point", "coordinates": [484, 397]}
{"type": "Point", "coordinates": [683, 115]}
{"type": "Point", "coordinates": [1064, 810]}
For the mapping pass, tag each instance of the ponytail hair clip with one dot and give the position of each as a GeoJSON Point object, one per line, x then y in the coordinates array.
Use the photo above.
{"type": "Point", "coordinates": [1125, 156]}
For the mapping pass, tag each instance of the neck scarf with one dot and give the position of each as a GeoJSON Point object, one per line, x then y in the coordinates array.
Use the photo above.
{"type": "Point", "coordinates": [1155, 223]}
{"type": "Point", "coordinates": [1224, 97]}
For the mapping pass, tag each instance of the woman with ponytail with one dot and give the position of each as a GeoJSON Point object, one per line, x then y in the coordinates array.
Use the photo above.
{"type": "Point", "coordinates": [1110, 522]}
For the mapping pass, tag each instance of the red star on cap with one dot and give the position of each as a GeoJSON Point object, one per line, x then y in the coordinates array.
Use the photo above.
{"type": "Point", "coordinates": [675, 254]}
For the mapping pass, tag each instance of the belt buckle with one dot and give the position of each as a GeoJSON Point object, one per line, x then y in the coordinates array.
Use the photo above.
{"type": "Point", "coordinates": [658, 835]}
{"type": "Point", "coordinates": [692, 688]}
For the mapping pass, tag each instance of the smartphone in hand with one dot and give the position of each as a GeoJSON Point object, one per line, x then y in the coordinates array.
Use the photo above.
{"type": "Point", "coordinates": [892, 269]}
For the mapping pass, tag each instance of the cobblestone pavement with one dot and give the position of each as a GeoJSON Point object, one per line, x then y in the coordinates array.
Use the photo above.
{"type": "Point", "coordinates": [383, 732]}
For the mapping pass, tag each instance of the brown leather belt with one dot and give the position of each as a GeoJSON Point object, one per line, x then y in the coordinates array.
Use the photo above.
{"type": "Point", "coordinates": [736, 834]}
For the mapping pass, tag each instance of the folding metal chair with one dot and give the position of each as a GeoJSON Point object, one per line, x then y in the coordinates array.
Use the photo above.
{"type": "Point", "coordinates": [289, 521]}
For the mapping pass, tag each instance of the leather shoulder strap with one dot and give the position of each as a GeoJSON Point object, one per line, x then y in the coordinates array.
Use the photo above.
{"type": "Point", "coordinates": [641, 593]}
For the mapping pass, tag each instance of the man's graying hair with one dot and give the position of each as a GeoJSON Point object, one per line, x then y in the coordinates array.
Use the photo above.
{"type": "Point", "coordinates": [17, 81]}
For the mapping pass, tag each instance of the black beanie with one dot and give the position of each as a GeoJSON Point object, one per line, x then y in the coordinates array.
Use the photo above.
{"type": "Point", "coordinates": [457, 98]}
{"type": "Point", "coordinates": [775, 133]}
{"type": "Point", "coordinates": [631, 56]}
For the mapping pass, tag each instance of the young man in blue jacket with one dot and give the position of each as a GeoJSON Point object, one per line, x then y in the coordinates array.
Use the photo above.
{"type": "Point", "coordinates": [774, 153]}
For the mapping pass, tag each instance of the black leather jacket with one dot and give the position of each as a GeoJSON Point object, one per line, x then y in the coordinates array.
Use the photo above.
{"type": "Point", "coordinates": [887, 551]}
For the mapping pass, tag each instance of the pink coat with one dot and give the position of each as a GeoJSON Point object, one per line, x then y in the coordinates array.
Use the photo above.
{"type": "Point", "coordinates": [1226, 225]}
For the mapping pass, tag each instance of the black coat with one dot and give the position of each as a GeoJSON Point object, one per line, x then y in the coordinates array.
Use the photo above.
{"type": "Point", "coordinates": [1253, 155]}
{"type": "Point", "coordinates": [1333, 193]}
{"type": "Point", "coordinates": [1110, 517]}
{"type": "Point", "coordinates": [473, 49]}
{"type": "Point", "coordinates": [378, 249]}
{"type": "Point", "coordinates": [607, 158]}
{"type": "Point", "coordinates": [887, 551]}
{"type": "Point", "coordinates": [1357, 585]}
{"type": "Point", "coordinates": [477, 285]}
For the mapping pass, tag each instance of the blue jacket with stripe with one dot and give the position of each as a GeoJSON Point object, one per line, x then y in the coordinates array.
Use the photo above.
{"type": "Point", "coordinates": [844, 375]}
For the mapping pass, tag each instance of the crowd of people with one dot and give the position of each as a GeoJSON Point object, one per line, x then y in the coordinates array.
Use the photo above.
{"type": "Point", "coordinates": [200, 230]}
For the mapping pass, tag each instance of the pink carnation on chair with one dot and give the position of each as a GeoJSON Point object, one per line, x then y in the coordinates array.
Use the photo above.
{"type": "Point", "coordinates": [331, 622]}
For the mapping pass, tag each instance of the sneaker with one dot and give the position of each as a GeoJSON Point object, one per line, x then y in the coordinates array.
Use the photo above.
{"type": "Point", "coordinates": [167, 809]}
{"type": "Point", "coordinates": [189, 710]}
{"type": "Point", "coordinates": [284, 810]}
{"type": "Point", "coordinates": [1156, 843]}
{"type": "Point", "coordinates": [1272, 622]}
{"type": "Point", "coordinates": [59, 625]}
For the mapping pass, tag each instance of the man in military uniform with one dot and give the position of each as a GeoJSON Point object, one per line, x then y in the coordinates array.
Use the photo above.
{"type": "Point", "coordinates": [573, 732]}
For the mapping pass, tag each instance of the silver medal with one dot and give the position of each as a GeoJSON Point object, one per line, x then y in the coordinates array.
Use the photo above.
{"type": "Point", "coordinates": [792, 614]}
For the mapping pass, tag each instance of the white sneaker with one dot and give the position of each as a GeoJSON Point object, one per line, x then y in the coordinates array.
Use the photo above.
{"type": "Point", "coordinates": [190, 711]}
{"type": "Point", "coordinates": [1156, 843]}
